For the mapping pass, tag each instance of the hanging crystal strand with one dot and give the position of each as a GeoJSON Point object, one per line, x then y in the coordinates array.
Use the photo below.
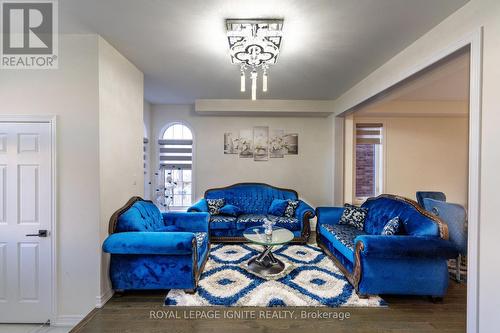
{"type": "Point", "coordinates": [170, 184]}
{"type": "Point", "coordinates": [168, 191]}
{"type": "Point", "coordinates": [264, 79]}
{"type": "Point", "coordinates": [160, 192]}
{"type": "Point", "coordinates": [254, 85]}
{"type": "Point", "coordinates": [242, 79]}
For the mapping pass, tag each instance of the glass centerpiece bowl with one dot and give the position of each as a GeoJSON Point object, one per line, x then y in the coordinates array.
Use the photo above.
{"type": "Point", "coordinates": [268, 226]}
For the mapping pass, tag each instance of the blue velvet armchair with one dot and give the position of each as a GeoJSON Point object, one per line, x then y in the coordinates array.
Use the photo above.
{"type": "Point", "coordinates": [412, 262]}
{"type": "Point", "coordinates": [254, 200]}
{"type": "Point", "coordinates": [154, 250]}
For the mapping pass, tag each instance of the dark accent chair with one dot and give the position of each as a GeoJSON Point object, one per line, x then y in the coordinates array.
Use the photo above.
{"type": "Point", "coordinates": [421, 195]}
{"type": "Point", "coordinates": [413, 262]}
{"type": "Point", "coordinates": [254, 199]}
{"type": "Point", "coordinates": [154, 250]}
{"type": "Point", "coordinates": [455, 216]}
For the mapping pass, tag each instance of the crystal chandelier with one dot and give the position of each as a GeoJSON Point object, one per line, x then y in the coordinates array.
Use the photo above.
{"type": "Point", "coordinates": [254, 45]}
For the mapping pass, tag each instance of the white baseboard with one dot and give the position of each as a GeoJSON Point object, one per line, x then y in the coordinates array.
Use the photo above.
{"type": "Point", "coordinates": [101, 300]}
{"type": "Point", "coordinates": [73, 320]}
{"type": "Point", "coordinates": [66, 320]}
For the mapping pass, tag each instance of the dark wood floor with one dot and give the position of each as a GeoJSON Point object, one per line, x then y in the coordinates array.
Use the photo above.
{"type": "Point", "coordinates": [131, 313]}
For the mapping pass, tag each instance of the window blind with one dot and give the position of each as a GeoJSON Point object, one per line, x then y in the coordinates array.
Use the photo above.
{"type": "Point", "coordinates": [176, 154]}
{"type": "Point", "coordinates": [369, 133]}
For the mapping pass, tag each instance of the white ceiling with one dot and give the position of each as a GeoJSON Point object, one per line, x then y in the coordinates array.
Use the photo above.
{"type": "Point", "coordinates": [328, 45]}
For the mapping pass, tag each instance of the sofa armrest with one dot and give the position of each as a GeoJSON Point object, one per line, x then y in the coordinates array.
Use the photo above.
{"type": "Point", "coordinates": [329, 215]}
{"type": "Point", "coordinates": [304, 209]}
{"type": "Point", "coordinates": [200, 206]}
{"type": "Point", "coordinates": [194, 222]}
{"type": "Point", "coordinates": [404, 247]}
{"type": "Point", "coordinates": [142, 242]}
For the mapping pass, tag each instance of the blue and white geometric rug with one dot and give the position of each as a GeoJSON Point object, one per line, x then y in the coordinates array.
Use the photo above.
{"type": "Point", "coordinates": [313, 281]}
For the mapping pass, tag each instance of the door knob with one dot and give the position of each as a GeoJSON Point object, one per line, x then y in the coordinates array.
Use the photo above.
{"type": "Point", "coordinates": [41, 233]}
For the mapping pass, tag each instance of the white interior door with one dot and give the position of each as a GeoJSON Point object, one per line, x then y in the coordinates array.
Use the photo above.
{"type": "Point", "coordinates": [25, 209]}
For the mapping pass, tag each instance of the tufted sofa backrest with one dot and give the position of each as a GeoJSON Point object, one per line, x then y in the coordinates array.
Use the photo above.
{"type": "Point", "coordinates": [141, 216]}
{"type": "Point", "coordinates": [252, 198]}
{"type": "Point", "coordinates": [417, 222]}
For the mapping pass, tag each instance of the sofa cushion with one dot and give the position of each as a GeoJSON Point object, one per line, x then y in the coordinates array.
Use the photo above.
{"type": "Point", "coordinates": [214, 205]}
{"type": "Point", "coordinates": [354, 216]}
{"type": "Point", "coordinates": [392, 227]}
{"type": "Point", "coordinates": [278, 207]}
{"type": "Point", "coordinates": [201, 245]}
{"type": "Point", "coordinates": [250, 220]}
{"type": "Point", "coordinates": [342, 237]}
{"type": "Point", "coordinates": [290, 223]}
{"type": "Point", "coordinates": [291, 208]}
{"type": "Point", "coordinates": [230, 210]}
{"type": "Point", "coordinates": [218, 222]}
{"type": "Point", "coordinates": [200, 238]}
{"type": "Point", "coordinates": [256, 220]}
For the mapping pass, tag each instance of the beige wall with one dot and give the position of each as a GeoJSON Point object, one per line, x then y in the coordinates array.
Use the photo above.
{"type": "Point", "coordinates": [97, 96]}
{"type": "Point", "coordinates": [471, 17]}
{"type": "Point", "coordinates": [121, 132]}
{"type": "Point", "coordinates": [309, 172]}
{"type": "Point", "coordinates": [70, 93]}
{"type": "Point", "coordinates": [425, 154]}
{"type": "Point", "coordinates": [147, 175]}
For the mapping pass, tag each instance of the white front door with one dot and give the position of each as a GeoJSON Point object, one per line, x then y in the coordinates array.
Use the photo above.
{"type": "Point", "coordinates": [25, 209]}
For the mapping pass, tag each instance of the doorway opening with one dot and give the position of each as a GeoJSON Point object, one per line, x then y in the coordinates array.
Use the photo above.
{"type": "Point", "coordinates": [463, 57]}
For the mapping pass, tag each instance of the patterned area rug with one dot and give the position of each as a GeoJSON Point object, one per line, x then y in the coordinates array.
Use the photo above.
{"type": "Point", "coordinates": [313, 281]}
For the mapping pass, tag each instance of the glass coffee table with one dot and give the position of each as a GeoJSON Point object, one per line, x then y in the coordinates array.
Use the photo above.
{"type": "Point", "coordinates": [266, 263]}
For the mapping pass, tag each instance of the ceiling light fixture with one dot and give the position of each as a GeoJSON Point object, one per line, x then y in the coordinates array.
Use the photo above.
{"type": "Point", "coordinates": [254, 45]}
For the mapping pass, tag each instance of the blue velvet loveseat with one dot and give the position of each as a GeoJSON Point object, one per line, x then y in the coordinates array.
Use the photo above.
{"type": "Point", "coordinates": [154, 250]}
{"type": "Point", "coordinates": [254, 201]}
{"type": "Point", "coordinates": [413, 261]}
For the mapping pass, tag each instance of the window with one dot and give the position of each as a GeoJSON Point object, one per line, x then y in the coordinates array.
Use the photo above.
{"type": "Point", "coordinates": [369, 161]}
{"type": "Point", "coordinates": [176, 161]}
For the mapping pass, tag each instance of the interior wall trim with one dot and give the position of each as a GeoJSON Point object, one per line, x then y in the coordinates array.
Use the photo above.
{"type": "Point", "coordinates": [263, 107]}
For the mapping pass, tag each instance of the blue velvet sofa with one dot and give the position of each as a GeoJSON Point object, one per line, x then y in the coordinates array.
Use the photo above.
{"type": "Point", "coordinates": [254, 199]}
{"type": "Point", "coordinates": [154, 250]}
{"type": "Point", "coordinates": [413, 262]}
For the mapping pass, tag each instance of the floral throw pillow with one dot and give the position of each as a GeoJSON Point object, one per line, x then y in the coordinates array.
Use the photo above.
{"type": "Point", "coordinates": [391, 227]}
{"type": "Point", "coordinates": [354, 216]}
{"type": "Point", "coordinates": [291, 208]}
{"type": "Point", "coordinates": [214, 206]}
